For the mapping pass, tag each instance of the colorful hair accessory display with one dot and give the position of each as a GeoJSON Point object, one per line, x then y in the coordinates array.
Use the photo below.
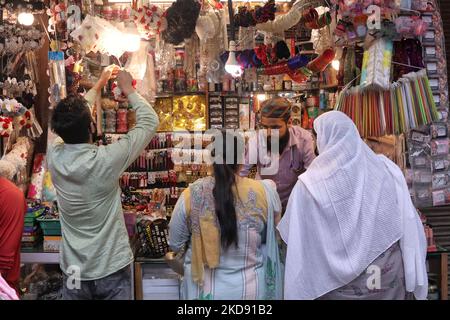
{"type": "Point", "coordinates": [407, 104]}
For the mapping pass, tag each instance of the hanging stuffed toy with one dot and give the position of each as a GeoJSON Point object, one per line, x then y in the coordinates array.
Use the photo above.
{"type": "Point", "coordinates": [181, 18]}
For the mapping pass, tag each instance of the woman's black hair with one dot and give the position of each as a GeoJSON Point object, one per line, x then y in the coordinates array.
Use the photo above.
{"type": "Point", "coordinates": [224, 201]}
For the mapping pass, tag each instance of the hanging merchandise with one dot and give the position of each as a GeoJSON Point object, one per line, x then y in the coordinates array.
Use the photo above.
{"type": "Point", "coordinates": [406, 105]}
{"type": "Point", "coordinates": [207, 25]}
{"type": "Point", "coordinates": [247, 18]}
{"type": "Point", "coordinates": [376, 67]}
{"type": "Point", "coordinates": [15, 160]}
{"type": "Point", "coordinates": [99, 35]}
{"type": "Point", "coordinates": [321, 36]}
{"type": "Point", "coordinates": [301, 11]}
{"type": "Point", "coordinates": [149, 20]}
{"type": "Point", "coordinates": [57, 77]}
{"type": "Point", "coordinates": [181, 18]}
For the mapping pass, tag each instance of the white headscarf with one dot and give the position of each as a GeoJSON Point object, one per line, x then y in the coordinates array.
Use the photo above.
{"type": "Point", "coordinates": [348, 208]}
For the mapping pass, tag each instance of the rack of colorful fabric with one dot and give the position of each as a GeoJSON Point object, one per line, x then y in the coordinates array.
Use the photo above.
{"type": "Point", "coordinates": [407, 104]}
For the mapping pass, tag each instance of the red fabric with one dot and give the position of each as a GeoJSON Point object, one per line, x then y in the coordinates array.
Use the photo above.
{"type": "Point", "coordinates": [12, 211]}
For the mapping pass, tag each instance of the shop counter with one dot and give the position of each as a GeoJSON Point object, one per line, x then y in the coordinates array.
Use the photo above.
{"type": "Point", "coordinates": [155, 280]}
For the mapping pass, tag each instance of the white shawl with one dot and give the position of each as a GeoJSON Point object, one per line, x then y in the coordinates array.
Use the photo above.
{"type": "Point", "coordinates": [349, 207]}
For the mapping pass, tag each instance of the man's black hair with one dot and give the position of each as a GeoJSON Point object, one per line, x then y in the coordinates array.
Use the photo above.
{"type": "Point", "coordinates": [71, 120]}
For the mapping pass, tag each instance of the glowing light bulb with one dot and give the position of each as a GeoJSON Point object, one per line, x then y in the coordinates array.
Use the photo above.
{"type": "Point", "coordinates": [336, 64]}
{"type": "Point", "coordinates": [133, 42]}
{"type": "Point", "coordinates": [25, 18]}
{"type": "Point", "coordinates": [232, 66]}
{"type": "Point", "coordinates": [261, 97]}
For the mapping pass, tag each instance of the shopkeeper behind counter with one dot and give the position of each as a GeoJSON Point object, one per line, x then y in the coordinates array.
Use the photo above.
{"type": "Point", "coordinates": [296, 148]}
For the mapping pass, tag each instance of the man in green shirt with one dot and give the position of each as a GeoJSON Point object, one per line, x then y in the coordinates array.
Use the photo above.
{"type": "Point", "coordinates": [95, 252]}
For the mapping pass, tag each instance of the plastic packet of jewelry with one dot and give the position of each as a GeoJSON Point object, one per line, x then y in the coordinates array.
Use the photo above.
{"type": "Point", "coordinates": [420, 162]}
{"type": "Point", "coordinates": [417, 150]}
{"type": "Point", "coordinates": [424, 177]}
{"type": "Point", "coordinates": [216, 119]}
{"type": "Point", "coordinates": [215, 100]}
{"type": "Point", "coordinates": [439, 130]}
{"type": "Point", "coordinates": [232, 106]}
{"type": "Point", "coordinates": [215, 106]}
{"type": "Point", "coordinates": [229, 113]}
{"type": "Point", "coordinates": [232, 126]}
{"type": "Point", "coordinates": [216, 113]}
{"type": "Point", "coordinates": [57, 74]}
{"type": "Point", "coordinates": [441, 163]}
{"type": "Point", "coordinates": [440, 180]}
{"type": "Point", "coordinates": [423, 194]}
{"type": "Point", "coordinates": [418, 136]}
{"type": "Point", "coordinates": [232, 119]}
{"type": "Point", "coordinates": [440, 197]}
{"type": "Point", "coordinates": [216, 126]}
{"type": "Point", "coordinates": [439, 147]}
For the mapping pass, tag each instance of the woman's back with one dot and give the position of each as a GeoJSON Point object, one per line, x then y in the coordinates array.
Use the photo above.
{"type": "Point", "coordinates": [238, 271]}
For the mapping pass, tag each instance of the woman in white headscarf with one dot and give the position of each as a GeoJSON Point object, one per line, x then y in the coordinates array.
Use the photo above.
{"type": "Point", "coordinates": [350, 227]}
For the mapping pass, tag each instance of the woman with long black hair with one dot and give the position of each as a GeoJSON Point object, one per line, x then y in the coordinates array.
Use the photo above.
{"type": "Point", "coordinates": [227, 223]}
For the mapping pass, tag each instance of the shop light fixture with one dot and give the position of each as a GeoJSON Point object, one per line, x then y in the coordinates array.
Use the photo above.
{"type": "Point", "coordinates": [25, 18]}
{"type": "Point", "coordinates": [232, 66]}
{"type": "Point", "coordinates": [261, 97]}
{"type": "Point", "coordinates": [132, 38]}
{"type": "Point", "coordinates": [336, 64]}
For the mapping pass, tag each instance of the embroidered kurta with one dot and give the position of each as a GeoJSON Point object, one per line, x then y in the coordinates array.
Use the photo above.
{"type": "Point", "coordinates": [240, 272]}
